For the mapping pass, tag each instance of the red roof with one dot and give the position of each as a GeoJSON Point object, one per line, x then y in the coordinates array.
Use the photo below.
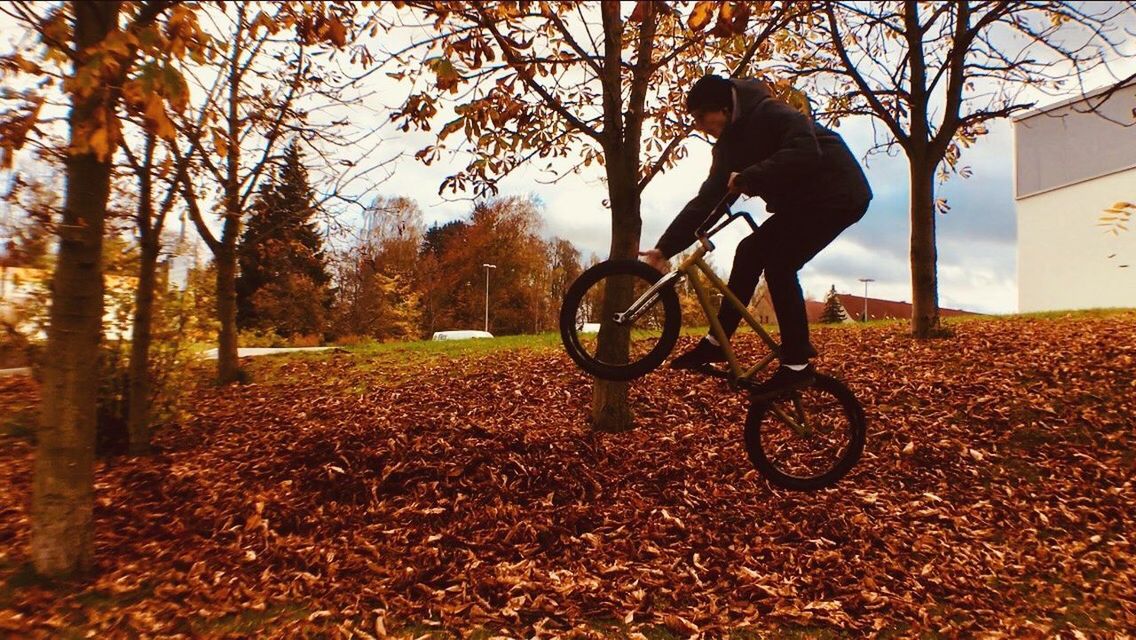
{"type": "Point", "coordinates": [877, 309]}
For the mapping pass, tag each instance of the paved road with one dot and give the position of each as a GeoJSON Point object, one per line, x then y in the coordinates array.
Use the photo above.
{"type": "Point", "coordinates": [262, 351]}
{"type": "Point", "coordinates": [211, 354]}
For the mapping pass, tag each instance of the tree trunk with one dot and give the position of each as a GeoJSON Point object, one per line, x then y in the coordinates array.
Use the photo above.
{"type": "Point", "coordinates": [611, 411]}
{"type": "Point", "coordinates": [924, 279]}
{"type": "Point", "coordinates": [63, 482]}
{"type": "Point", "coordinates": [228, 364]}
{"type": "Point", "coordinates": [138, 414]}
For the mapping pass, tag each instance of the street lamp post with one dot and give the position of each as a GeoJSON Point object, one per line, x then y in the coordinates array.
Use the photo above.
{"type": "Point", "coordinates": [866, 281]}
{"type": "Point", "coordinates": [487, 268]}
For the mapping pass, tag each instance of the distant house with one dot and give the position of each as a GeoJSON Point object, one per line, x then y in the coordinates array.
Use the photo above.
{"type": "Point", "coordinates": [877, 309]}
{"type": "Point", "coordinates": [1072, 160]}
{"type": "Point", "coordinates": [762, 308]}
{"type": "Point", "coordinates": [23, 292]}
{"type": "Point", "coordinates": [21, 289]}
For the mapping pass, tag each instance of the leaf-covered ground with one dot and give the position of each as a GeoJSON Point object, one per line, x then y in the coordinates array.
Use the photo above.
{"type": "Point", "coordinates": [442, 498]}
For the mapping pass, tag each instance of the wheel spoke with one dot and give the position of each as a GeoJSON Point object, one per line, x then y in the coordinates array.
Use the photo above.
{"type": "Point", "coordinates": [630, 348]}
{"type": "Point", "coordinates": [788, 420]}
{"type": "Point", "coordinates": [641, 334]}
{"type": "Point", "coordinates": [802, 415]}
{"type": "Point", "coordinates": [807, 440]}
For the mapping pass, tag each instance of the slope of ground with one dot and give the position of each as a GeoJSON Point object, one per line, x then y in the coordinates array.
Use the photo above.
{"type": "Point", "coordinates": [465, 496]}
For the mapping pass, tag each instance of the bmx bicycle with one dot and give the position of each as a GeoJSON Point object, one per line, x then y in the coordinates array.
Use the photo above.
{"type": "Point", "coordinates": [620, 320]}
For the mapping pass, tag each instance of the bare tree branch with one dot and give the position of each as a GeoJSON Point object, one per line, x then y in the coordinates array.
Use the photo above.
{"type": "Point", "coordinates": [253, 175]}
{"type": "Point", "coordinates": [190, 197]}
{"type": "Point", "coordinates": [526, 76]}
{"type": "Point", "coordinates": [866, 91]}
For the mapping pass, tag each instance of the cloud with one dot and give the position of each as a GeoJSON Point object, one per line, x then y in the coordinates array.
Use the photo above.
{"type": "Point", "coordinates": [976, 239]}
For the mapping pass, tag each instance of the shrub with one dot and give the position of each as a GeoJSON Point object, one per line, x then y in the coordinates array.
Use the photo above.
{"type": "Point", "coordinates": [307, 340]}
{"type": "Point", "coordinates": [171, 364]}
{"type": "Point", "coordinates": [260, 338]}
{"type": "Point", "coordinates": [352, 340]}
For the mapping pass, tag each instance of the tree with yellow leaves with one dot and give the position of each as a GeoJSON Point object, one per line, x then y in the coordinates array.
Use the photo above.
{"type": "Point", "coordinates": [107, 56]}
{"type": "Point", "coordinates": [593, 86]}
{"type": "Point", "coordinates": [111, 60]}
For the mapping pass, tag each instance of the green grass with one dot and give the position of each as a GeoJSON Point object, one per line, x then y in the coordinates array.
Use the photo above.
{"type": "Point", "coordinates": [384, 363]}
{"type": "Point", "coordinates": [857, 325]}
{"type": "Point", "coordinates": [249, 622]}
{"type": "Point", "coordinates": [452, 348]}
{"type": "Point", "coordinates": [19, 424]}
{"type": "Point", "coordinates": [1067, 314]}
{"type": "Point", "coordinates": [551, 339]}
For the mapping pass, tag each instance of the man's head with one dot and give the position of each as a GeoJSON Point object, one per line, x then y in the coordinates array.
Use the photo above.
{"type": "Point", "coordinates": [711, 103]}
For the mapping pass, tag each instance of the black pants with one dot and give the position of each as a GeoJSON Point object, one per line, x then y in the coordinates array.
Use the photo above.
{"type": "Point", "coordinates": [780, 247]}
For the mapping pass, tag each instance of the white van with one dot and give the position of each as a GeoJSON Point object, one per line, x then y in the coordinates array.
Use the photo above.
{"type": "Point", "coordinates": [460, 335]}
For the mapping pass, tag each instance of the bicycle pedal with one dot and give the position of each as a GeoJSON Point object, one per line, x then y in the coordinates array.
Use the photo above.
{"type": "Point", "coordinates": [710, 370]}
{"type": "Point", "coordinates": [781, 394]}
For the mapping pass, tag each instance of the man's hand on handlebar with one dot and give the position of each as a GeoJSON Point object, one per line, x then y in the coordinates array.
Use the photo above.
{"type": "Point", "coordinates": [655, 258]}
{"type": "Point", "coordinates": [734, 185]}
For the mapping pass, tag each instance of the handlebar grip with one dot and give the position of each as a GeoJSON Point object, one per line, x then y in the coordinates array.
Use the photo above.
{"type": "Point", "coordinates": [710, 217]}
{"type": "Point", "coordinates": [748, 218]}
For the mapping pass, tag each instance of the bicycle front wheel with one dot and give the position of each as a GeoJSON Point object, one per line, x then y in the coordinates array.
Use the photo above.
{"type": "Point", "coordinates": [808, 439]}
{"type": "Point", "coordinates": [624, 350]}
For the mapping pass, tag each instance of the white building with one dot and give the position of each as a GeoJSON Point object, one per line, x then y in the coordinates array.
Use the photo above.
{"type": "Point", "coordinates": [1072, 161]}
{"type": "Point", "coordinates": [24, 302]}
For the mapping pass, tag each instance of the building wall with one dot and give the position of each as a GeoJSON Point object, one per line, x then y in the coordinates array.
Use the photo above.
{"type": "Point", "coordinates": [1067, 143]}
{"type": "Point", "coordinates": [19, 287]}
{"type": "Point", "coordinates": [24, 290]}
{"type": "Point", "coordinates": [761, 307]}
{"type": "Point", "coordinates": [1065, 259]}
{"type": "Point", "coordinates": [1072, 160]}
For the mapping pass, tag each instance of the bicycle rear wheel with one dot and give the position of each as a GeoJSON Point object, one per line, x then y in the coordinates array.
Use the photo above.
{"type": "Point", "coordinates": [633, 348]}
{"type": "Point", "coordinates": [808, 439]}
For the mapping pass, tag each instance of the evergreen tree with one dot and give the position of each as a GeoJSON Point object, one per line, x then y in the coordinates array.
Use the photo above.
{"type": "Point", "coordinates": [834, 312]}
{"type": "Point", "coordinates": [440, 238]}
{"type": "Point", "coordinates": [373, 300]}
{"type": "Point", "coordinates": [564, 268]}
{"type": "Point", "coordinates": [283, 281]}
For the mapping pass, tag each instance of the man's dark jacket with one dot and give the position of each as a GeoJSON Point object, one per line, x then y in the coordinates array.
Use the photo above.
{"type": "Point", "coordinates": [783, 157]}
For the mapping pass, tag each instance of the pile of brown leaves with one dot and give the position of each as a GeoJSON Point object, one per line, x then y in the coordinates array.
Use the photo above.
{"type": "Point", "coordinates": [994, 496]}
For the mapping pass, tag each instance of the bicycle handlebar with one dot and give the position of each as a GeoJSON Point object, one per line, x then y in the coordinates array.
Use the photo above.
{"type": "Point", "coordinates": [704, 231]}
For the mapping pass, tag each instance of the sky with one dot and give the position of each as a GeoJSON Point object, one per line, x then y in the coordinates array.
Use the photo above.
{"type": "Point", "coordinates": [976, 239]}
{"type": "Point", "coordinates": [977, 252]}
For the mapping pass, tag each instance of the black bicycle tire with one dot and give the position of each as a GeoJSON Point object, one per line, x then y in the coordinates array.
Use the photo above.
{"type": "Point", "coordinates": [672, 322]}
{"type": "Point", "coordinates": [857, 423]}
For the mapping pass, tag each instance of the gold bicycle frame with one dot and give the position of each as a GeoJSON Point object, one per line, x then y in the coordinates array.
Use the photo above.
{"type": "Point", "coordinates": [690, 268]}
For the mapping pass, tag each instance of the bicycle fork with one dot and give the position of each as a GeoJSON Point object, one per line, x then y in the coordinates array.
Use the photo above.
{"type": "Point", "coordinates": [647, 300]}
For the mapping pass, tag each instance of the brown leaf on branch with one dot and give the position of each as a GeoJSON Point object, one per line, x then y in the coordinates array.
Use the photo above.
{"type": "Point", "coordinates": [390, 492]}
{"type": "Point", "coordinates": [700, 15]}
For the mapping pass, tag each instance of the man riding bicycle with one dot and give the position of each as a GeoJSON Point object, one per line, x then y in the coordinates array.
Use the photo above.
{"type": "Point", "coordinates": [811, 183]}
